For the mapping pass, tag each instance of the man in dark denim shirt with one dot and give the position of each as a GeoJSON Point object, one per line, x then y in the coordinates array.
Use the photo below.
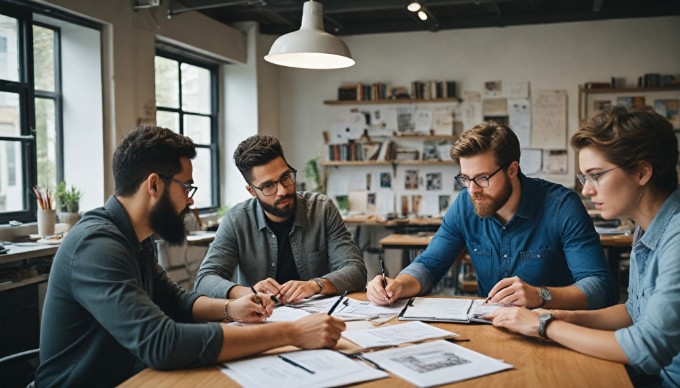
{"type": "Point", "coordinates": [531, 242]}
{"type": "Point", "coordinates": [110, 309]}
{"type": "Point", "coordinates": [291, 245]}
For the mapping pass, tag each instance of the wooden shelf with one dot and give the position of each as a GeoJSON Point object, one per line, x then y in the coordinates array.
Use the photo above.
{"type": "Point", "coordinates": [425, 162]}
{"type": "Point", "coordinates": [356, 163]}
{"type": "Point", "coordinates": [35, 279]}
{"type": "Point", "coordinates": [628, 90]}
{"type": "Point", "coordinates": [392, 101]}
{"type": "Point", "coordinates": [424, 137]}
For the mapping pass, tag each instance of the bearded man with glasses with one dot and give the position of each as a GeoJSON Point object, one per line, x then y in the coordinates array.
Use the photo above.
{"type": "Point", "coordinates": [531, 241]}
{"type": "Point", "coordinates": [289, 244]}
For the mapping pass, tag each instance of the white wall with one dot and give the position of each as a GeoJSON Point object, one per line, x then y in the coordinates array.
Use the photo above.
{"type": "Point", "coordinates": [554, 56]}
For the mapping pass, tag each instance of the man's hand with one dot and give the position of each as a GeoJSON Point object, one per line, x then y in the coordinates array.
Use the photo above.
{"type": "Point", "coordinates": [517, 319]}
{"type": "Point", "coordinates": [383, 296]}
{"type": "Point", "coordinates": [514, 291]}
{"type": "Point", "coordinates": [294, 291]}
{"type": "Point", "coordinates": [317, 331]}
{"type": "Point", "coordinates": [268, 286]}
{"type": "Point", "coordinates": [247, 309]}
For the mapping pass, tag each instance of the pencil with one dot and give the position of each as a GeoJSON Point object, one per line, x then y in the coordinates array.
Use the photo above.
{"type": "Point", "coordinates": [337, 302]}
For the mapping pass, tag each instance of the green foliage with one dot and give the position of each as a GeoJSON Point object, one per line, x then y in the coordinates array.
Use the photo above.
{"type": "Point", "coordinates": [313, 176]}
{"type": "Point", "coordinates": [68, 199]}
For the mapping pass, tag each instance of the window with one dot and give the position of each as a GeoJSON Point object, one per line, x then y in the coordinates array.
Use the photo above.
{"type": "Point", "coordinates": [31, 100]}
{"type": "Point", "coordinates": [186, 102]}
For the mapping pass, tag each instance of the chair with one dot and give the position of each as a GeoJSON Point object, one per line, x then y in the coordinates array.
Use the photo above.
{"type": "Point", "coordinates": [18, 369]}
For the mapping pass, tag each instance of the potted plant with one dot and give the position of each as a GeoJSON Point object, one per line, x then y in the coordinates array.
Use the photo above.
{"type": "Point", "coordinates": [68, 204]}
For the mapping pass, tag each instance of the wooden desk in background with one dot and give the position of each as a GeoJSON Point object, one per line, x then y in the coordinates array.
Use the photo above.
{"type": "Point", "coordinates": [536, 364]}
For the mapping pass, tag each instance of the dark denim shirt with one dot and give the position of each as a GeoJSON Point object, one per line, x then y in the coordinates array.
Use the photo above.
{"type": "Point", "coordinates": [322, 247]}
{"type": "Point", "coordinates": [110, 309]}
{"type": "Point", "coordinates": [550, 241]}
{"type": "Point", "coordinates": [652, 343]}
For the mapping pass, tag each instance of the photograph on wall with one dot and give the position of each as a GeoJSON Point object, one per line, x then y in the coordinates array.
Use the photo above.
{"type": "Point", "coordinates": [385, 180]}
{"type": "Point", "coordinates": [406, 120]}
{"type": "Point", "coordinates": [430, 151]}
{"type": "Point", "coordinates": [669, 109]}
{"type": "Point", "coordinates": [411, 180]}
{"type": "Point", "coordinates": [555, 162]}
{"type": "Point", "coordinates": [633, 101]}
{"type": "Point", "coordinates": [434, 181]}
{"type": "Point", "coordinates": [444, 203]}
{"type": "Point", "coordinates": [493, 88]}
{"type": "Point", "coordinates": [369, 180]}
{"type": "Point", "coordinates": [370, 203]}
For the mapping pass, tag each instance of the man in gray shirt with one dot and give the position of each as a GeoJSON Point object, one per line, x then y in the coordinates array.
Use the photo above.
{"type": "Point", "coordinates": [110, 309]}
{"type": "Point", "coordinates": [291, 245]}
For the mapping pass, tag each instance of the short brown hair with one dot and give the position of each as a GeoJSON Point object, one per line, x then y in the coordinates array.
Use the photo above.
{"type": "Point", "coordinates": [256, 151]}
{"type": "Point", "coordinates": [626, 136]}
{"type": "Point", "coordinates": [488, 136]}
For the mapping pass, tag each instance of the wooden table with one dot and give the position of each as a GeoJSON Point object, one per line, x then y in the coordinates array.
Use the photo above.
{"type": "Point", "coordinates": [536, 364]}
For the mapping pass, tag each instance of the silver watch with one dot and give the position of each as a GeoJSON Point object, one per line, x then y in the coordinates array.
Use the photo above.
{"type": "Point", "coordinates": [543, 321]}
{"type": "Point", "coordinates": [545, 295]}
{"type": "Point", "coordinates": [319, 283]}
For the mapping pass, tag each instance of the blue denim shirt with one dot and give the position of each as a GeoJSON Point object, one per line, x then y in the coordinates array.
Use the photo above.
{"type": "Point", "coordinates": [652, 343]}
{"type": "Point", "coordinates": [550, 241]}
{"type": "Point", "coordinates": [245, 248]}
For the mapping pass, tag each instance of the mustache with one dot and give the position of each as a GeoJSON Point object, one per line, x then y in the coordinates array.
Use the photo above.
{"type": "Point", "coordinates": [480, 196]}
{"type": "Point", "coordinates": [278, 201]}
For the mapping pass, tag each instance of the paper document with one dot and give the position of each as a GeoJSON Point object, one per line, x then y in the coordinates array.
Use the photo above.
{"type": "Point", "coordinates": [393, 335]}
{"type": "Point", "coordinates": [447, 310]}
{"type": "Point", "coordinates": [286, 314]}
{"type": "Point", "coordinates": [435, 363]}
{"type": "Point", "coordinates": [307, 368]}
{"type": "Point", "coordinates": [350, 309]}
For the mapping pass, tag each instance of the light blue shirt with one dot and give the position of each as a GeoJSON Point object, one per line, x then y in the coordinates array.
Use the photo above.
{"type": "Point", "coordinates": [652, 343]}
{"type": "Point", "coordinates": [550, 241]}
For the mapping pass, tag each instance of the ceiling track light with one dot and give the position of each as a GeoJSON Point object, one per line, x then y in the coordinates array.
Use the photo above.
{"type": "Point", "coordinates": [414, 6]}
{"type": "Point", "coordinates": [310, 47]}
{"type": "Point", "coordinates": [422, 15]}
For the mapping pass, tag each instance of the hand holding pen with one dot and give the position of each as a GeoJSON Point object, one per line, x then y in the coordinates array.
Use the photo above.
{"type": "Point", "coordinates": [384, 279]}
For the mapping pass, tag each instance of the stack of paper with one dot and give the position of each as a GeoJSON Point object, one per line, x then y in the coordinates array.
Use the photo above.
{"type": "Point", "coordinates": [393, 335]}
{"type": "Point", "coordinates": [447, 310]}
{"type": "Point", "coordinates": [307, 368]}
{"type": "Point", "coordinates": [435, 363]}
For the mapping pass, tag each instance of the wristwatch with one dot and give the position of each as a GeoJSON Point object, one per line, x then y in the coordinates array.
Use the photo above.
{"type": "Point", "coordinates": [545, 295]}
{"type": "Point", "coordinates": [543, 321]}
{"type": "Point", "coordinates": [319, 283]}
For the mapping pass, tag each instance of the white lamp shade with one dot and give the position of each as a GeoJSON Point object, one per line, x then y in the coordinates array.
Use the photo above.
{"type": "Point", "coordinates": [310, 47]}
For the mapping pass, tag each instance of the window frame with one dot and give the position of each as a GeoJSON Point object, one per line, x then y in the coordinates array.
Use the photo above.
{"type": "Point", "coordinates": [183, 56]}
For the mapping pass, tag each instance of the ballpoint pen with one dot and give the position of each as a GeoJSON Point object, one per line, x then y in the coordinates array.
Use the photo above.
{"type": "Point", "coordinates": [291, 362]}
{"type": "Point", "coordinates": [384, 280]}
{"type": "Point", "coordinates": [257, 297]}
{"type": "Point", "coordinates": [337, 302]}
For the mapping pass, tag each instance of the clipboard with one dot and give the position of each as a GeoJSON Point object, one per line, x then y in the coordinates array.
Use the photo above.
{"type": "Point", "coordinates": [456, 310]}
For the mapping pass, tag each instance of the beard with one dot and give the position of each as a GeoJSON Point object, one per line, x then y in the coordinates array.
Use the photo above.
{"type": "Point", "coordinates": [166, 222]}
{"type": "Point", "coordinates": [280, 212]}
{"type": "Point", "coordinates": [493, 204]}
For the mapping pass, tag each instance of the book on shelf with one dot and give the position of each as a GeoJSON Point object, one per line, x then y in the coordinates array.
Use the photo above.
{"type": "Point", "coordinates": [597, 85]}
{"type": "Point", "coordinates": [358, 152]}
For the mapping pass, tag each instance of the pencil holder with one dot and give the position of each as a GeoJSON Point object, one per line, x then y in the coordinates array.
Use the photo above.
{"type": "Point", "coordinates": [47, 219]}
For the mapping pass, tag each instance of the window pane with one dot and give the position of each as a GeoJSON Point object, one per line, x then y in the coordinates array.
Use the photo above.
{"type": "Point", "coordinates": [9, 57]}
{"type": "Point", "coordinates": [10, 114]}
{"type": "Point", "coordinates": [169, 120]}
{"type": "Point", "coordinates": [11, 184]}
{"type": "Point", "coordinates": [43, 58]}
{"type": "Point", "coordinates": [167, 83]}
{"type": "Point", "coordinates": [195, 89]}
{"type": "Point", "coordinates": [46, 142]}
{"type": "Point", "coordinates": [197, 128]}
{"type": "Point", "coordinates": [202, 178]}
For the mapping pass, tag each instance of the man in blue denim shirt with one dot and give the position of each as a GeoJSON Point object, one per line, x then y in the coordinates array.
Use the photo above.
{"type": "Point", "coordinates": [531, 242]}
{"type": "Point", "coordinates": [291, 245]}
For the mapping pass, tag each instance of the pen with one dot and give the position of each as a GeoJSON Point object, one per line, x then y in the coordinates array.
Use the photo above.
{"type": "Point", "coordinates": [384, 281]}
{"type": "Point", "coordinates": [291, 362]}
{"type": "Point", "coordinates": [257, 297]}
{"type": "Point", "coordinates": [342, 296]}
{"type": "Point", "coordinates": [486, 300]}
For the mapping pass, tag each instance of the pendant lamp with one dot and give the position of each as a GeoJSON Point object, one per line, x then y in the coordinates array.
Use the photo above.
{"type": "Point", "coordinates": [310, 47]}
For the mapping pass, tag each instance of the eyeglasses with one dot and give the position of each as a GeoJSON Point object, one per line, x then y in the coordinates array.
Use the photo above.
{"type": "Point", "coordinates": [481, 181]}
{"type": "Point", "coordinates": [593, 179]}
{"type": "Point", "coordinates": [272, 187]}
{"type": "Point", "coordinates": [189, 190]}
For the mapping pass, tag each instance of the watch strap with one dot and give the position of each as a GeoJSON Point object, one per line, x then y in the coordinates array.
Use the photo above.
{"type": "Point", "coordinates": [319, 283]}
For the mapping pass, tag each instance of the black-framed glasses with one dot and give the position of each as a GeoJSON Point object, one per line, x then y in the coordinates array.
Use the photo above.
{"type": "Point", "coordinates": [189, 190]}
{"type": "Point", "coordinates": [593, 179]}
{"type": "Point", "coordinates": [481, 181]}
{"type": "Point", "coordinates": [271, 188]}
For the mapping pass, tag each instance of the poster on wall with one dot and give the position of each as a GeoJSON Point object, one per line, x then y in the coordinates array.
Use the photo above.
{"type": "Point", "coordinates": [549, 119]}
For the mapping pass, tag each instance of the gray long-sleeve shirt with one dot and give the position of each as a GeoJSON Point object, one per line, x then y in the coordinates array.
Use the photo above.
{"type": "Point", "coordinates": [110, 309]}
{"type": "Point", "coordinates": [322, 247]}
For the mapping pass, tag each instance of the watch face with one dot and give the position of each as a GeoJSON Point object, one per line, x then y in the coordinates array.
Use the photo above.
{"type": "Point", "coordinates": [545, 294]}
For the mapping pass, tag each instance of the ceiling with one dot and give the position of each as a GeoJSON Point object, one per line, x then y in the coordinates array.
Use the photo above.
{"type": "Point", "coordinates": [353, 17]}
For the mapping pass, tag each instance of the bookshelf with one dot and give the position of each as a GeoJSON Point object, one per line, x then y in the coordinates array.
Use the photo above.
{"type": "Point", "coordinates": [394, 101]}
